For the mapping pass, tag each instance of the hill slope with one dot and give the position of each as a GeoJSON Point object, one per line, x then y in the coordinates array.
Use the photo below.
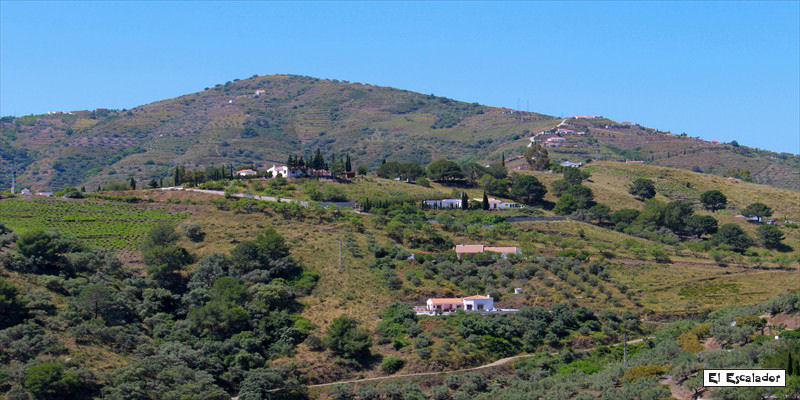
{"type": "Point", "coordinates": [263, 119]}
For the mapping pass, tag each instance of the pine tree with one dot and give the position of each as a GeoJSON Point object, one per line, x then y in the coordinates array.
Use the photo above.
{"type": "Point", "coordinates": [319, 162]}
{"type": "Point", "coordinates": [485, 201]}
{"type": "Point", "coordinates": [347, 165]}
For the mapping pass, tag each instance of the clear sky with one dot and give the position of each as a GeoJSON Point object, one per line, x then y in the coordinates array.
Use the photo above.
{"type": "Point", "coordinates": [724, 71]}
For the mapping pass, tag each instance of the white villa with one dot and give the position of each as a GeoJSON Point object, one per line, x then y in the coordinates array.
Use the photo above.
{"type": "Point", "coordinates": [471, 303]}
{"type": "Point", "coordinates": [495, 204]}
{"type": "Point", "coordinates": [284, 171]}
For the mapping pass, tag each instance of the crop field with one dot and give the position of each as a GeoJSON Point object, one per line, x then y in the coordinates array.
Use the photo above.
{"type": "Point", "coordinates": [113, 226]}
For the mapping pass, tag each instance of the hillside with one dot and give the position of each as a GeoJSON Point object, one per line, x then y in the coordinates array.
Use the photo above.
{"type": "Point", "coordinates": [263, 119]}
{"type": "Point", "coordinates": [583, 283]}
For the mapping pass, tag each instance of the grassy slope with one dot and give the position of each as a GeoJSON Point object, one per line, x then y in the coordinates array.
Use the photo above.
{"type": "Point", "coordinates": [690, 282]}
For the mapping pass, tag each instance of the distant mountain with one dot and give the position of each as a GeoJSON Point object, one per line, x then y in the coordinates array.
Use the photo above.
{"type": "Point", "coordinates": [263, 119]}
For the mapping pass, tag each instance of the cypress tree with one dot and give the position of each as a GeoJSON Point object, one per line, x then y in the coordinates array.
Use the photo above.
{"type": "Point", "coordinates": [464, 200]}
{"type": "Point", "coordinates": [133, 184]}
{"type": "Point", "coordinates": [161, 181]}
{"type": "Point", "coordinates": [504, 159]}
{"type": "Point", "coordinates": [790, 366]}
{"type": "Point", "coordinates": [177, 177]}
{"type": "Point", "coordinates": [347, 165]}
{"type": "Point", "coordinates": [485, 201]}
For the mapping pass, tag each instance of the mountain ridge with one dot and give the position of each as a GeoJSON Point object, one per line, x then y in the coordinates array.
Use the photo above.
{"type": "Point", "coordinates": [262, 119]}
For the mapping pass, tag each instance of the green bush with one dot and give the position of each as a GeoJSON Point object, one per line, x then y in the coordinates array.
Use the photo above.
{"type": "Point", "coordinates": [391, 365]}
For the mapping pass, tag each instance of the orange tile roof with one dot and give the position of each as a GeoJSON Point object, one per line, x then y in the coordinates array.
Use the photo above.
{"type": "Point", "coordinates": [445, 301]}
{"type": "Point", "coordinates": [477, 298]}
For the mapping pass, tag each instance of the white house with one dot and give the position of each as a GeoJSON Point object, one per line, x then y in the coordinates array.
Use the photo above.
{"type": "Point", "coordinates": [246, 172]}
{"type": "Point", "coordinates": [471, 303]}
{"type": "Point", "coordinates": [284, 171]}
{"type": "Point", "coordinates": [495, 204]}
{"type": "Point", "coordinates": [443, 203]}
{"type": "Point", "coordinates": [25, 192]}
{"type": "Point", "coordinates": [571, 164]}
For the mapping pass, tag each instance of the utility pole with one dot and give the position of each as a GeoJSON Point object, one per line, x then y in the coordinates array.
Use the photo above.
{"type": "Point", "coordinates": [13, 178]}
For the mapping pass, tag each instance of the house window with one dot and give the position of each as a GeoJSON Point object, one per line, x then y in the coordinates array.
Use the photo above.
{"type": "Point", "coordinates": [469, 307]}
{"type": "Point", "coordinates": [480, 307]}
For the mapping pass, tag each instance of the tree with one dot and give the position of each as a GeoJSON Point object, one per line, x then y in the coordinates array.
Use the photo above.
{"type": "Point", "coordinates": [464, 200]}
{"type": "Point", "coordinates": [261, 384]}
{"type": "Point", "coordinates": [485, 202]}
{"type": "Point", "coordinates": [566, 205]}
{"type": "Point", "coordinates": [47, 250]}
{"type": "Point", "coordinates": [599, 213]}
{"type": "Point", "coordinates": [700, 225]}
{"type": "Point", "coordinates": [153, 184]}
{"type": "Point", "coordinates": [624, 217]}
{"type": "Point", "coordinates": [51, 380]}
{"type": "Point", "coordinates": [713, 200]}
{"type": "Point", "coordinates": [537, 158]}
{"type": "Point", "coordinates": [770, 236]}
{"type": "Point", "coordinates": [759, 210]}
{"type": "Point", "coordinates": [265, 258]}
{"type": "Point", "coordinates": [362, 170]}
{"type": "Point", "coordinates": [676, 215]}
{"type": "Point", "coordinates": [498, 171]}
{"type": "Point", "coordinates": [527, 189]}
{"type": "Point", "coordinates": [494, 186]}
{"type": "Point", "coordinates": [161, 234]}
{"type": "Point", "coordinates": [503, 160]}
{"type": "Point", "coordinates": [348, 166]}
{"type": "Point", "coordinates": [13, 307]}
{"type": "Point", "coordinates": [575, 176]}
{"type": "Point", "coordinates": [133, 184]}
{"type": "Point", "coordinates": [445, 171]}
{"type": "Point", "coordinates": [164, 264]}
{"type": "Point", "coordinates": [643, 189]}
{"type": "Point", "coordinates": [97, 299]}
{"type": "Point", "coordinates": [734, 236]}
{"type": "Point", "coordinates": [346, 339]}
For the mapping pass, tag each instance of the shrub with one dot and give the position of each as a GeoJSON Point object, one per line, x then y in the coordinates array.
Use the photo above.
{"type": "Point", "coordinates": [643, 372]}
{"type": "Point", "coordinates": [346, 339]}
{"type": "Point", "coordinates": [391, 365]}
{"type": "Point", "coordinates": [51, 380]}
{"type": "Point", "coordinates": [194, 232]}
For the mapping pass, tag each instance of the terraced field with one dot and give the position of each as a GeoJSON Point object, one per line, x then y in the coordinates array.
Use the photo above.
{"type": "Point", "coordinates": [114, 226]}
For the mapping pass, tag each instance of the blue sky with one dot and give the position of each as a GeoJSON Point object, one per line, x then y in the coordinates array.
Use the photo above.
{"type": "Point", "coordinates": [723, 71]}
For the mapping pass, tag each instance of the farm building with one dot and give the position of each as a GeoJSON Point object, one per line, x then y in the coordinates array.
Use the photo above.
{"type": "Point", "coordinates": [462, 249]}
{"type": "Point", "coordinates": [246, 172]}
{"type": "Point", "coordinates": [443, 203]}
